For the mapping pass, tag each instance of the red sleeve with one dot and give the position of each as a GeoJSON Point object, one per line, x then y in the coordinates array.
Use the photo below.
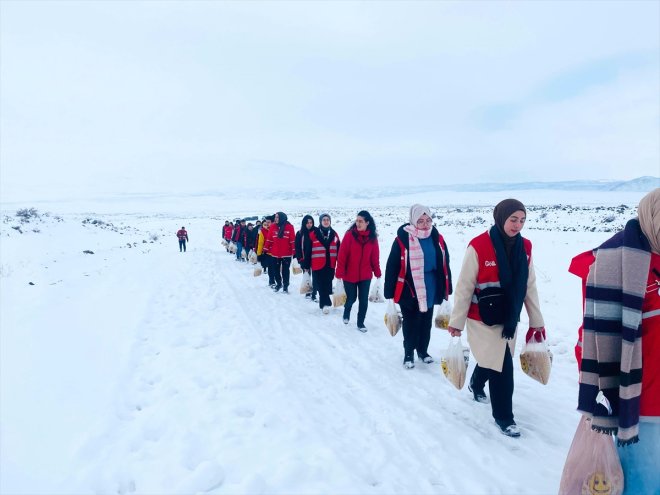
{"type": "Point", "coordinates": [292, 236]}
{"type": "Point", "coordinates": [580, 266]}
{"type": "Point", "coordinates": [341, 256]}
{"type": "Point", "coordinates": [269, 241]}
{"type": "Point", "coordinates": [375, 259]}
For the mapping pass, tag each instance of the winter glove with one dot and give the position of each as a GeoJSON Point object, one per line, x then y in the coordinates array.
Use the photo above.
{"type": "Point", "coordinates": [537, 333]}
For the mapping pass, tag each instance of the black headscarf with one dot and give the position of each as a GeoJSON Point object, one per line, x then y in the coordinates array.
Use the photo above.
{"type": "Point", "coordinates": [512, 264]}
{"type": "Point", "coordinates": [503, 210]}
{"type": "Point", "coordinates": [281, 224]}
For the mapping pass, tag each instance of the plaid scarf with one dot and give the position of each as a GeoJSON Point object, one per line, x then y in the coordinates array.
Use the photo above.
{"type": "Point", "coordinates": [416, 258]}
{"type": "Point", "coordinates": [611, 373]}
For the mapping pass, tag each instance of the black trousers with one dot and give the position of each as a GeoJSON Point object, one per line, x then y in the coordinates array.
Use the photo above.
{"type": "Point", "coordinates": [416, 332]}
{"type": "Point", "coordinates": [282, 271]}
{"type": "Point", "coordinates": [359, 291]}
{"type": "Point", "coordinates": [182, 245]}
{"type": "Point", "coordinates": [500, 386]}
{"type": "Point", "coordinates": [322, 281]}
{"type": "Point", "coordinates": [269, 263]}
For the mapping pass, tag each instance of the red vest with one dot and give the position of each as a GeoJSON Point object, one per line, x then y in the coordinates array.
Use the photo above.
{"type": "Point", "coordinates": [319, 252]}
{"type": "Point", "coordinates": [488, 275]}
{"type": "Point", "coordinates": [649, 404]}
{"type": "Point", "coordinates": [401, 279]}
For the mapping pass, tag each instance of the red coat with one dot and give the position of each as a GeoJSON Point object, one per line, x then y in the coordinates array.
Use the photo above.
{"type": "Point", "coordinates": [649, 404]}
{"type": "Point", "coordinates": [226, 232]}
{"type": "Point", "coordinates": [488, 274]}
{"type": "Point", "coordinates": [280, 247]}
{"type": "Point", "coordinates": [358, 260]}
{"type": "Point", "coordinates": [182, 234]}
{"type": "Point", "coordinates": [580, 266]}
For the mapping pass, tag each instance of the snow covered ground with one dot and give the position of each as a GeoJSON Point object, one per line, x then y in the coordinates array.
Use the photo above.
{"type": "Point", "coordinates": [137, 369]}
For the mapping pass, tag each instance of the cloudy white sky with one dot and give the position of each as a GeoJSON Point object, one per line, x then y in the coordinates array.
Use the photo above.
{"type": "Point", "coordinates": [161, 95]}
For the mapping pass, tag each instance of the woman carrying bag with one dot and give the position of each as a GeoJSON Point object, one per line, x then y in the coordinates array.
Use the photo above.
{"type": "Point", "coordinates": [320, 251]}
{"type": "Point", "coordinates": [620, 377]}
{"type": "Point", "coordinates": [497, 278]}
{"type": "Point", "coordinates": [302, 239]}
{"type": "Point", "coordinates": [357, 262]}
{"type": "Point", "coordinates": [417, 276]}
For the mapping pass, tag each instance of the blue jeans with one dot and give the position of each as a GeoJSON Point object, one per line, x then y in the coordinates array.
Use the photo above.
{"type": "Point", "coordinates": [640, 461]}
{"type": "Point", "coordinates": [239, 250]}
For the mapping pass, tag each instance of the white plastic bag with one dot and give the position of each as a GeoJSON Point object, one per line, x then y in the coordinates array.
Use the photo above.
{"type": "Point", "coordinates": [376, 292]}
{"type": "Point", "coordinates": [455, 362]}
{"type": "Point", "coordinates": [224, 242]}
{"type": "Point", "coordinates": [295, 268]}
{"type": "Point", "coordinates": [232, 248]}
{"type": "Point", "coordinates": [443, 314]}
{"type": "Point", "coordinates": [592, 465]}
{"type": "Point", "coordinates": [393, 320]}
{"type": "Point", "coordinates": [338, 294]}
{"type": "Point", "coordinates": [257, 271]}
{"type": "Point", "coordinates": [253, 257]}
{"type": "Point", "coordinates": [306, 284]}
{"type": "Point", "coordinates": [536, 358]}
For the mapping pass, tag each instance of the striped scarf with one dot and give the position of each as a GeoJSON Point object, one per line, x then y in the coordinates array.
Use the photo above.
{"type": "Point", "coordinates": [416, 257]}
{"type": "Point", "coordinates": [611, 373]}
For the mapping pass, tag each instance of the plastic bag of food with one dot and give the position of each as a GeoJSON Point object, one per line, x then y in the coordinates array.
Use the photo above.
{"type": "Point", "coordinates": [258, 271]}
{"type": "Point", "coordinates": [306, 284]}
{"type": "Point", "coordinates": [592, 465]}
{"type": "Point", "coordinates": [393, 319]}
{"type": "Point", "coordinates": [296, 270]}
{"type": "Point", "coordinates": [338, 294]}
{"type": "Point", "coordinates": [376, 292]}
{"type": "Point", "coordinates": [455, 362]}
{"type": "Point", "coordinates": [443, 314]}
{"type": "Point", "coordinates": [536, 358]}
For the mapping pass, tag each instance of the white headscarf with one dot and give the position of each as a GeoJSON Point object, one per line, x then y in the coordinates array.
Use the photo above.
{"type": "Point", "coordinates": [416, 211]}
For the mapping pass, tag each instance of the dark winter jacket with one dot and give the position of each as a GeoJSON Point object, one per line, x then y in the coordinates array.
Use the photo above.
{"type": "Point", "coordinates": [408, 294]}
{"type": "Point", "coordinates": [250, 238]}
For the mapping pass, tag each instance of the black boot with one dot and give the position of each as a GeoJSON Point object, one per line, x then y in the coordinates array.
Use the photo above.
{"type": "Point", "coordinates": [478, 394]}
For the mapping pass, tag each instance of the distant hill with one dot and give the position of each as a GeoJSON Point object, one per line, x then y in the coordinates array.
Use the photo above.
{"type": "Point", "coordinates": [642, 184]}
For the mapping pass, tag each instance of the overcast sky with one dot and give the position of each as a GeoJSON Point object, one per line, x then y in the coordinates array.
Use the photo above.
{"type": "Point", "coordinates": [155, 95]}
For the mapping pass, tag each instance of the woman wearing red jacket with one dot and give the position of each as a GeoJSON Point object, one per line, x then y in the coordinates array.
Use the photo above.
{"type": "Point", "coordinates": [358, 260]}
{"type": "Point", "coordinates": [280, 245]}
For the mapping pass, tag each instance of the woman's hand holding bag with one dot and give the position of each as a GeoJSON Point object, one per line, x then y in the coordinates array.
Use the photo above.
{"type": "Point", "coordinates": [393, 320]}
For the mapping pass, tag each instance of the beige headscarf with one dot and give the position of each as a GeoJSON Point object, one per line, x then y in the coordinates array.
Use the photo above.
{"type": "Point", "coordinates": [649, 218]}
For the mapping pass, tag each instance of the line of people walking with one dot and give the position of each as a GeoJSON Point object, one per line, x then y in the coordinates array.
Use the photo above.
{"type": "Point", "coordinates": [496, 280]}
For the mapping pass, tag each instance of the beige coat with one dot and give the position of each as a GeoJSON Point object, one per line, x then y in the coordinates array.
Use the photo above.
{"type": "Point", "coordinates": [485, 341]}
